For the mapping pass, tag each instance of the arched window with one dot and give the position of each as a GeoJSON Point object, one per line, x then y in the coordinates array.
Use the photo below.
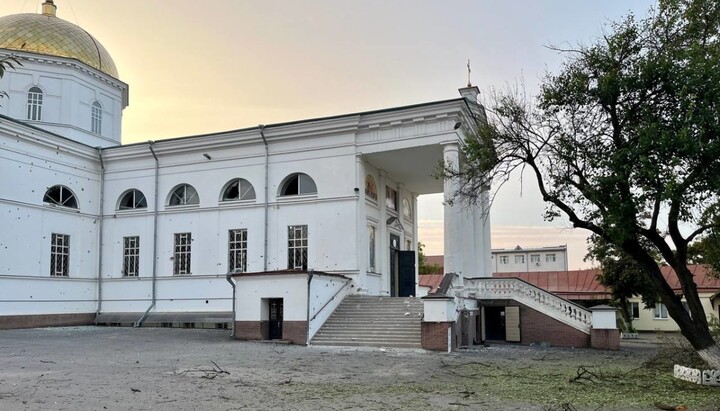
{"type": "Point", "coordinates": [406, 209]}
{"type": "Point", "coordinates": [370, 187]}
{"type": "Point", "coordinates": [34, 104]}
{"type": "Point", "coordinates": [238, 189]}
{"type": "Point", "coordinates": [60, 195]}
{"type": "Point", "coordinates": [131, 200]}
{"type": "Point", "coordinates": [298, 184]}
{"type": "Point", "coordinates": [184, 194]}
{"type": "Point", "coordinates": [96, 118]}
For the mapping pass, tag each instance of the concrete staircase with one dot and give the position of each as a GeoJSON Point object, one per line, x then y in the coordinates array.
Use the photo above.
{"type": "Point", "coordinates": [373, 322]}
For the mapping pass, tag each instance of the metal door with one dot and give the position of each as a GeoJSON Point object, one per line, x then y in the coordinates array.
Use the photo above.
{"type": "Point", "coordinates": [406, 273]}
{"type": "Point", "coordinates": [276, 318]}
{"type": "Point", "coordinates": [512, 324]}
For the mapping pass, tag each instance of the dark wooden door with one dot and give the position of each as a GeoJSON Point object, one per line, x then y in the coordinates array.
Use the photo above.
{"type": "Point", "coordinates": [276, 318]}
{"type": "Point", "coordinates": [406, 273]}
{"type": "Point", "coordinates": [394, 250]}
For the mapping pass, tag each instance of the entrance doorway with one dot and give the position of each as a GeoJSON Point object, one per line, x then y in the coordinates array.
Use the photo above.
{"type": "Point", "coordinates": [502, 323]}
{"type": "Point", "coordinates": [276, 319]}
{"type": "Point", "coordinates": [402, 269]}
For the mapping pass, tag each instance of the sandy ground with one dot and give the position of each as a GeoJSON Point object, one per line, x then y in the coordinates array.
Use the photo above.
{"type": "Point", "coordinates": [96, 368]}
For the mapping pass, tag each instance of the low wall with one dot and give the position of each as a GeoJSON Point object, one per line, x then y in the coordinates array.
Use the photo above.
{"type": "Point", "coordinates": [435, 336]}
{"type": "Point", "coordinates": [536, 327]}
{"type": "Point", "coordinates": [45, 320]}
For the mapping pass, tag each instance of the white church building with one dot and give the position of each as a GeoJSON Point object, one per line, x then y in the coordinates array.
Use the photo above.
{"type": "Point", "coordinates": [268, 228]}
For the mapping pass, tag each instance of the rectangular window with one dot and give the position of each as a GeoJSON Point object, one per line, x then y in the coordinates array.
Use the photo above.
{"type": "Point", "coordinates": [535, 258]}
{"type": "Point", "coordinates": [297, 247]}
{"type": "Point", "coordinates": [34, 104]}
{"type": "Point", "coordinates": [181, 256]}
{"type": "Point", "coordinates": [371, 248]}
{"type": "Point", "coordinates": [661, 311]}
{"type": "Point", "coordinates": [549, 258]}
{"type": "Point", "coordinates": [519, 259]}
{"type": "Point", "coordinates": [96, 119]}
{"type": "Point", "coordinates": [391, 198]}
{"type": "Point", "coordinates": [635, 310]}
{"type": "Point", "coordinates": [59, 255]}
{"type": "Point", "coordinates": [131, 256]}
{"type": "Point", "coordinates": [504, 259]}
{"type": "Point", "coordinates": [237, 251]}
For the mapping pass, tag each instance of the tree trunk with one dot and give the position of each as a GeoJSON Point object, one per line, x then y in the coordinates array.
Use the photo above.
{"type": "Point", "coordinates": [625, 316]}
{"type": "Point", "coordinates": [711, 355]}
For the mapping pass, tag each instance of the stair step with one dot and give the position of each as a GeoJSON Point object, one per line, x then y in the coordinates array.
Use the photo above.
{"type": "Point", "coordinates": [373, 322]}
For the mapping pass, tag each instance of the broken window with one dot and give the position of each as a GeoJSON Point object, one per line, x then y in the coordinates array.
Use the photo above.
{"type": "Point", "coordinates": [298, 184]}
{"type": "Point", "coordinates": [59, 255]}
{"type": "Point", "coordinates": [60, 195]}
{"type": "Point", "coordinates": [131, 256]}
{"type": "Point", "coordinates": [184, 194]}
{"type": "Point", "coordinates": [297, 247]}
{"type": "Point", "coordinates": [132, 199]}
{"type": "Point", "coordinates": [237, 250]}
{"type": "Point", "coordinates": [181, 256]}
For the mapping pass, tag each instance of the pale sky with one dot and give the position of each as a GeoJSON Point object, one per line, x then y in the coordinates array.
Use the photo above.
{"type": "Point", "coordinates": [202, 66]}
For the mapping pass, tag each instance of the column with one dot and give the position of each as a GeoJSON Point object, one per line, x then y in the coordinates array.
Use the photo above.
{"type": "Point", "coordinates": [451, 226]}
{"type": "Point", "coordinates": [362, 241]}
{"type": "Point", "coordinates": [381, 257]}
{"type": "Point", "coordinates": [415, 239]}
{"type": "Point", "coordinates": [469, 246]}
{"type": "Point", "coordinates": [487, 242]}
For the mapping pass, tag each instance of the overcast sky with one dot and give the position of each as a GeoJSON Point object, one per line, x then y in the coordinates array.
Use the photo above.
{"type": "Point", "coordinates": [202, 66]}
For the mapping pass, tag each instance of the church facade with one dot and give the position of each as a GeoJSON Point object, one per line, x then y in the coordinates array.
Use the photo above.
{"type": "Point", "coordinates": [174, 231]}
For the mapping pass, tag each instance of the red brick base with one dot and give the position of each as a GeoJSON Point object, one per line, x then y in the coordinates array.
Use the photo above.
{"type": "Point", "coordinates": [434, 336]}
{"type": "Point", "coordinates": [293, 331]}
{"type": "Point", "coordinates": [536, 327]}
{"type": "Point", "coordinates": [605, 339]}
{"type": "Point", "coordinates": [8, 322]}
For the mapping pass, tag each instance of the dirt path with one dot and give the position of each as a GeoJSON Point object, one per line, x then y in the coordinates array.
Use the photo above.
{"type": "Point", "coordinates": [92, 368]}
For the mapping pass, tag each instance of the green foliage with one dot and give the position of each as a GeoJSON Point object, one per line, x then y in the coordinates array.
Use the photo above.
{"type": "Point", "coordinates": [623, 275]}
{"type": "Point", "coordinates": [423, 267]}
{"type": "Point", "coordinates": [706, 250]}
{"type": "Point", "coordinates": [714, 324]}
{"type": "Point", "coordinates": [8, 63]}
{"type": "Point", "coordinates": [624, 141]}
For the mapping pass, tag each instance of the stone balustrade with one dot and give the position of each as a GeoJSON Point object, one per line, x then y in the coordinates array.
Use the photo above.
{"type": "Point", "coordinates": [531, 296]}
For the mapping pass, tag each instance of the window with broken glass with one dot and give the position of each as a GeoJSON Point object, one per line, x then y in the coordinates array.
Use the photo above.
{"type": "Point", "coordinates": [297, 247]}
{"type": "Point", "coordinates": [237, 250]}
{"type": "Point", "coordinates": [59, 255]}
{"type": "Point", "coordinates": [131, 256]}
{"type": "Point", "coordinates": [181, 257]}
{"type": "Point", "coordinates": [61, 196]}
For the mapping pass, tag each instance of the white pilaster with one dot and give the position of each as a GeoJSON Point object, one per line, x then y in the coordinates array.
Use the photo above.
{"type": "Point", "coordinates": [487, 242]}
{"type": "Point", "coordinates": [452, 228]}
{"type": "Point", "coordinates": [382, 257]}
{"type": "Point", "coordinates": [361, 223]}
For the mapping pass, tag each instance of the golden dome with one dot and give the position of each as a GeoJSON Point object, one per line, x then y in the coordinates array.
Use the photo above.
{"type": "Point", "coordinates": [49, 35]}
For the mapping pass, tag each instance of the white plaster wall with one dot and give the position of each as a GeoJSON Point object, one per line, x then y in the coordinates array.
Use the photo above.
{"type": "Point", "coordinates": [325, 290]}
{"type": "Point", "coordinates": [511, 267]}
{"type": "Point", "coordinates": [68, 92]}
{"type": "Point", "coordinates": [439, 310]}
{"type": "Point", "coordinates": [648, 322]}
{"type": "Point", "coordinates": [30, 163]}
{"type": "Point", "coordinates": [604, 320]}
{"type": "Point", "coordinates": [250, 291]}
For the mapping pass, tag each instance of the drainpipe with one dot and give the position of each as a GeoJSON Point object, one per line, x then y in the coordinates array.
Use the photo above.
{"type": "Point", "coordinates": [310, 276]}
{"type": "Point", "coordinates": [265, 249]}
{"type": "Point", "coordinates": [100, 230]}
{"type": "Point", "coordinates": [139, 322]}
{"type": "Point", "coordinates": [228, 277]}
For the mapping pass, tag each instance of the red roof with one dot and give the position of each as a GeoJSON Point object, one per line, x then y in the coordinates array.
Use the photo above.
{"type": "Point", "coordinates": [572, 285]}
{"type": "Point", "coordinates": [432, 281]}
{"type": "Point", "coordinates": [583, 284]}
